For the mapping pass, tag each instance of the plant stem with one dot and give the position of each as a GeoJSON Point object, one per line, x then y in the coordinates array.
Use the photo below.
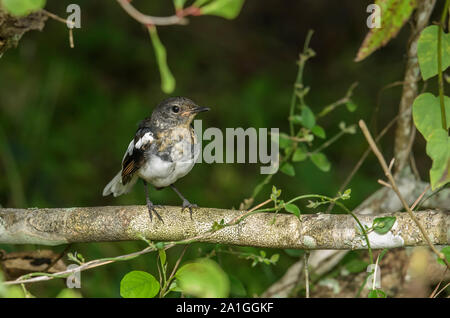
{"type": "Point", "coordinates": [391, 179]}
{"type": "Point", "coordinates": [439, 49]}
{"type": "Point", "coordinates": [330, 200]}
{"type": "Point", "coordinates": [298, 81]}
{"type": "Point", "coordinates": [329, 141]}
{"type": "Point", "coordinates": [305, 265]}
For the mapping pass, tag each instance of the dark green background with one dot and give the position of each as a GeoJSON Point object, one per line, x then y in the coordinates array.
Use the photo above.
{"type": "Point", "coordinates": [68, 114]}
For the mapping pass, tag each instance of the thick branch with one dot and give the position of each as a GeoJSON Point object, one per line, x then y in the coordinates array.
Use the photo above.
{"type": "Point", "coordinates": [412, 77]}
{"type": "Point", "coordinates": [119, 223]}
{"type": "Point", "coordinates": [12, 28]}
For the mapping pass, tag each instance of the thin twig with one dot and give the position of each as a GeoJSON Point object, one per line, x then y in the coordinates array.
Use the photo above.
{"type": "Point", "coordinates": [237, 219]}
{"type": "Point", "coordinates": [443, 288]}
{"type": "Point", "coordinates": [178, 262]}
{"type": "Point", "coordinates": [385, 167]}
{"type": "Point", "coordinates": [419, 198]}
{"type": "Point", "coordinates": [343, 100]}
{"type": "Point", "coordinates": [92, 264]}
{"type": "Point", "coordinates": [72, 45]}
{"type": "Point", "coordinates": [61, 255]}
{"type": "Point", "coordinates": [305, 259]}
{"type": "Point", "coordinates": [70, 25]}
{"type": "Point", "coordinates": [362, 159]}
{"type": "Point", "coordinates": [373, 121]}
{"type": "Point", "coordinates": [58, 18]}
{"type": "Point", "coordinates": [384, 183]}
{"type": "Point", "coordinates": [433, 294]}
{"type": "Point", "coordinates": [150, 20]}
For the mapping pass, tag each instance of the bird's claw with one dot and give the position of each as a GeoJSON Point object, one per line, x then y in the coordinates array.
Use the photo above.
{"type": "Point", "coordinates": [152, 208]}
{"type": "Point", "coordinates": [189, 206]}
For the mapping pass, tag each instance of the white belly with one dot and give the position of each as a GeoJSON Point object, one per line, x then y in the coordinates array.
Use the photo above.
{"type": "Point", "coordinates": [162, 173]}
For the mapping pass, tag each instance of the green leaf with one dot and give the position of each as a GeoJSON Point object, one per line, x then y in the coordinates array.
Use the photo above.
{"type": "Point", "coordinates": [427, 113]}
{"type": "Point", "coordinates": [299, 155]}
{"type": "Point", "coordinates": [296, 119]}
{"type": "Point", "coordinates": [318, 131]}
{"type": "Point", "coordinates": [288, 169]}
{"type": "Point", "coordinates": [14, 292]}
{"type": "Point", "coordinates": [351, 106]}
{"type": "Point", "coordinates": [377, 293]}
{"type": "Point", "coordinates": [162, 256]}
{"type": "Point", "coordinates": [446, 252]}
{"type": "Point", "coordinates": [203, 278]}
{"type": "Point", "coordinates": [321, 161]}
{"type": "Point", "coordinates": [199, 3]}
{"type": "Point", "coordinates": [427, 118]}
{"type": "Point", "coordinates": [438, 148]}
{"type": "Point", "coordinates": [139, 284]}
{"type": "Point", "coordinates": [356, 266]}
{"type": "Point", "coordinates": [384, 224]}
{"type": "Point", "coordinates": [346, 194]}
{"type": "Point", "coordinates": [383, 252]}
{"type": "Point", "coordinates": [69, 293]}
{"type": "Point", "coordinates": [394, 14]}
{"type": "Point", "coordinates": [179, 4]}
{"type": "Point", "coordinates": [427, 51]}
{"type": "Point", "coordinates": [167, 79]}
{"type": "Point", "coordinates": [292, 208]}
{"type": "Point", "coordinates": [228, 9]}
{"type": "Point", "coordinates": [274, 258]}
{"type": "Point", "coordinates": [22, 7]}
{"type": "Point", "coordinates": [275, 193]}
{"type": "Point", "coordinates": [308, 118]}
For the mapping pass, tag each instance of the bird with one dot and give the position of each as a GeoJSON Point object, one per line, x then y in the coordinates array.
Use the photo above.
{"type": "Point", "coordinates": [163, 150]}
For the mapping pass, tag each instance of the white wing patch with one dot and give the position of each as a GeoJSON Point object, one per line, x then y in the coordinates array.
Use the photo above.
{"type": "Point", "coordinates": [144, 140]}
{"type": "Point", "coordinates": [129, 150]}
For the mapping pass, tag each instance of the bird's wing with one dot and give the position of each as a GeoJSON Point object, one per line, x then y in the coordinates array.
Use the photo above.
{"type": "Point", "coordinates": [134, 156]}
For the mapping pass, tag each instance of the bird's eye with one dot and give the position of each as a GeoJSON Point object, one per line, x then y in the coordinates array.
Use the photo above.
{"type": "Point", "coordinates": [175, 109]}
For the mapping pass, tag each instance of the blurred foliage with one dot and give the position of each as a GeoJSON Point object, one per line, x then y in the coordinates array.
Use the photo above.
{"type": "Point", "coordinates": [67, 115]}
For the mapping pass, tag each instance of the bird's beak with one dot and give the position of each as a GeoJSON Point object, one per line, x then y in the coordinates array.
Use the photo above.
{"type": "Point", "coordinates": [199, 109]}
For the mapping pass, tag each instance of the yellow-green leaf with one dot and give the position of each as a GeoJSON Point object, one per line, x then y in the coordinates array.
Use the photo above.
{"type": "Point", "coordinates": [203, 278]}
{"type": "Point", "coordinates": [427, 113]}
{"type": "Point", "coordinates": [383, 225]}
{"type": "Point", "coordinates": [167, 79]}
{"type": "Point", "coordinates": [179, 4]}
{"type": "Point", "coordinates": [321, 161]}
{"type": "Point", "coordinates": [427, 51]}
{"type": "Point", "coordinates": [22, 7]}
{"type": "Point", "coordinates": [318, 131]}
{"type": "Point", "coordinates": [292, 208]}
{"type": "Point", "coordinates": [299, 155]}
{"type": "Point", "coordinates": [308, 118]}
{"type": "Point", "coordinates": [228, 9]}
{"type": "Point", "coordinates": [394, 14]}
{"type": "Point", "coordinates": [288, 169]}
{"type": "Point", "coordinates": [139, 284]}
{"type": "Point", "coordinates": [438, 148]}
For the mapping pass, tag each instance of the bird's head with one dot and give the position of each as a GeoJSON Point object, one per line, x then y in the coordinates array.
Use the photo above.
{"type": "Point", "coordinates": [175, 112]}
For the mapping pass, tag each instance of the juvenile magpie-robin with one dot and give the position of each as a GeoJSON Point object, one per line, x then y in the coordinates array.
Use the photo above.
{"type": "Point", "coordinates": [164, 149]}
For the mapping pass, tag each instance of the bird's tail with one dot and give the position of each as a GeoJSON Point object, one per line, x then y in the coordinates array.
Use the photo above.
{"type": "Point", "coordinates": [116, 187]}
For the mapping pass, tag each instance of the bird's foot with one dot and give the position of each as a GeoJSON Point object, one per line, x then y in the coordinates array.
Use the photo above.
{"type": "Point", "coordinates": [152, 208]}
{"type": "Point", "coordinates": [189, 206]}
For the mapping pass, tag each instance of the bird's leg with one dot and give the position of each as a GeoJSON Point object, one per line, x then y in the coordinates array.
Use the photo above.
{"type": "Point", "coordinates": [151, 207]}
{"type": "Point", "coordinates": [186, 203]}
